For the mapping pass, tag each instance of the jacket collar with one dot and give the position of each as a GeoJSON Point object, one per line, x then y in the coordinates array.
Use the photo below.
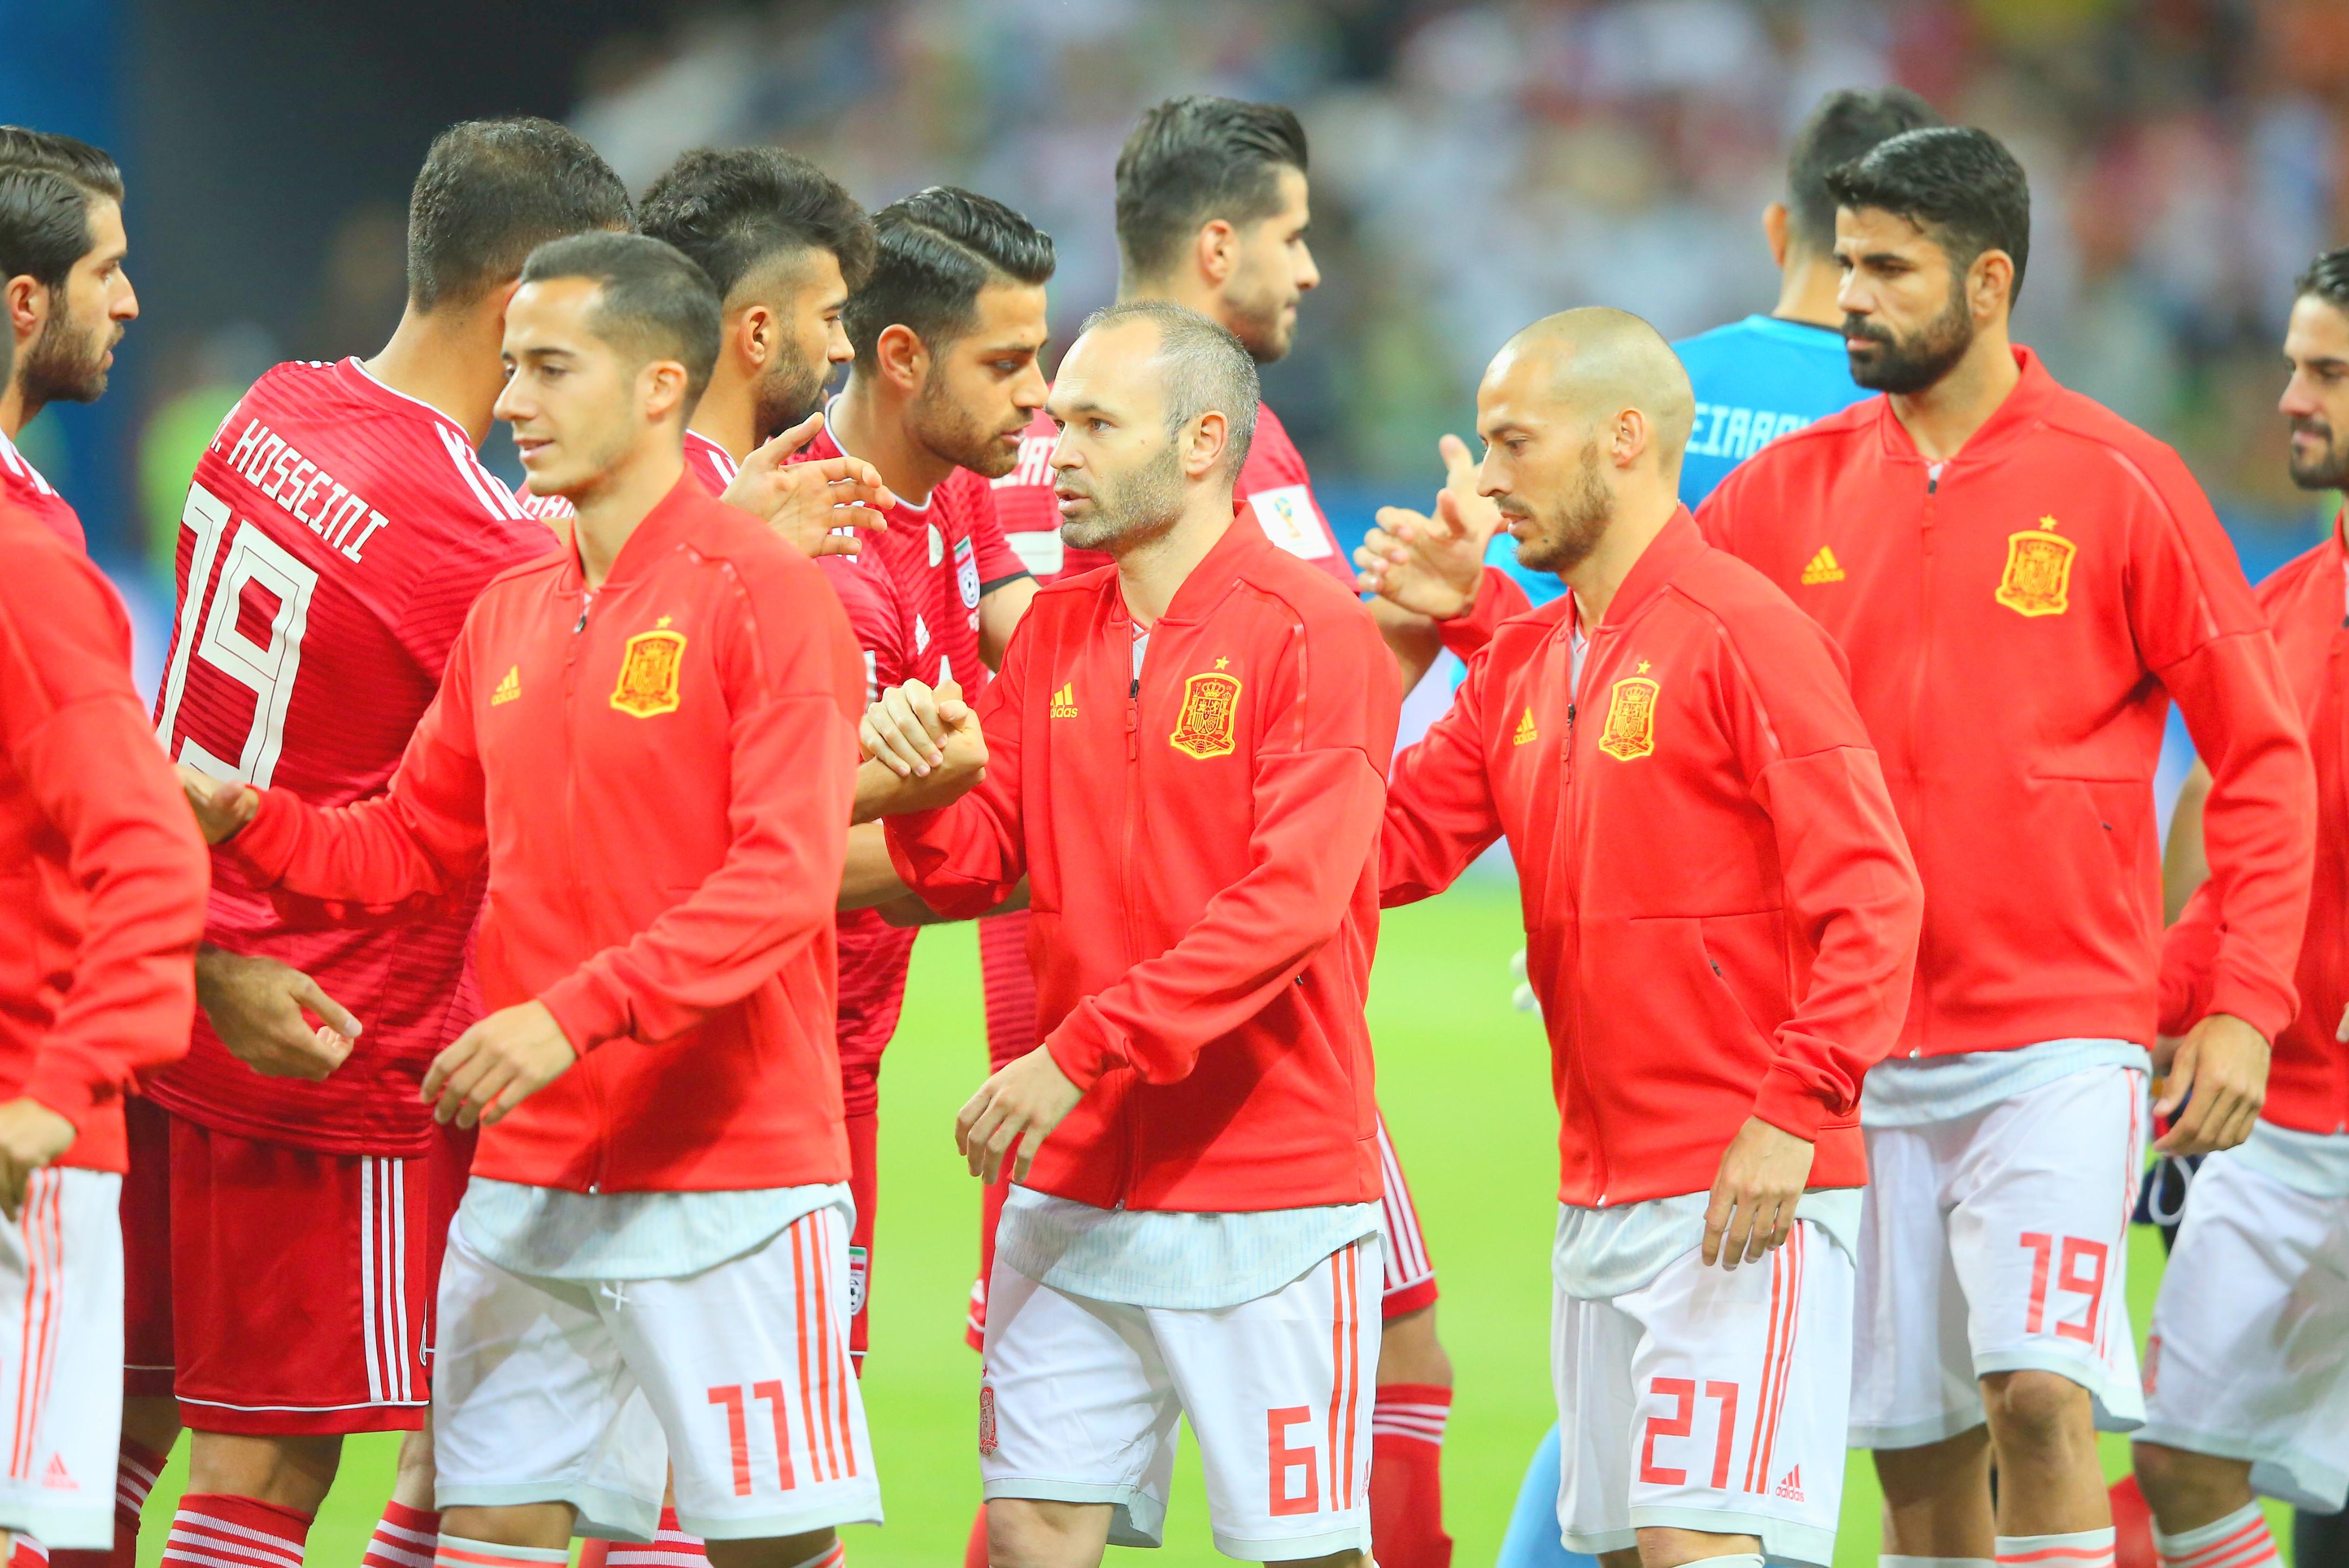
{"type": "Point", "coordinates": [2026, 403]}
{"type": "Point", "coordinates": [661, 528]}
{"type": "Point", "coordinates": [1663, 560]}
{"type": "Point", "coordinates": [1208, 581]}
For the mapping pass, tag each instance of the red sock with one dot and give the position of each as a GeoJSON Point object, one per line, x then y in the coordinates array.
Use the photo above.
{"type": "Point", "coordinates": [214, 1530]}
{"type": "Point", "coordinates": [1407, 1476]}
{"type": "Point", "coordinates": [404, 1537]}
{"type": "Point", "coordinates": [135, 1467]}
{"type": "Point", "coordinates": [592, 1552]}
{"type": "Point", "coordinates": [28, 1552]}
{"type": "Point", "coordinates": [671, 1547]}
{"type": "Point", "coordinates": [974, 1555]}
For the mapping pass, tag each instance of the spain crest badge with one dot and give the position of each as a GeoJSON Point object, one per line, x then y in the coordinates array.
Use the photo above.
{"type": "Point", "coordinates": [2038, 576]}
{"type": "Point", "coordinates": [649, 671]}
{"type": "Point", "coordinates": [1630, 730]}
{"type": "Point", "coordinates": [1210, 716]}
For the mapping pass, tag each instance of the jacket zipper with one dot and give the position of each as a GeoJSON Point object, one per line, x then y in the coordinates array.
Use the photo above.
{"type": "Point", "coordinates": [1567, 816]}
{"type": "Point", "coordinates": [571, 833]}
{"type": "Point", "coordinates": [1917, 710]}
{"type": "Point", "coordinates": [1129, 1112]}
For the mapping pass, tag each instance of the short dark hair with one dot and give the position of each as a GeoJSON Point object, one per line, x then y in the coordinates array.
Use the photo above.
{"type": "Point", "coordinates": [1207, 367]}
{"type": "Point", "coordinates": [1193, 159]}
{"type": "Point", "coordinates": [2327, 278]}
{"type": "Point", "coordinates": [46, 184]}
{"type": "Point", "coordinates": [936, 250]}
{"type": "Point", "coordinates": [1847, 124]}
{"type": "Point", "coordinates": [494, 191]}
{"type": "Point", "coordinates": [734, 210]}
{"type": "Point", "coordinates": [1957, 183]}
{"type": "Point", "coordinates": [655, 300]}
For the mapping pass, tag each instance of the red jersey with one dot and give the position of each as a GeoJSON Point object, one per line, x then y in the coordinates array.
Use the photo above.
{"type": "Point", "coordinates": [335, 533]}
{"type": "Point", "coordinates": [2307, 605]}
{"type": "Point", "coordinates": [1274, 486]}
{"type": "Point", "coordinates": [102, 872]}
{"type": "Point", "coordinates": [22, 486]}
{"type": "Point", "coordinates": [658, 782]}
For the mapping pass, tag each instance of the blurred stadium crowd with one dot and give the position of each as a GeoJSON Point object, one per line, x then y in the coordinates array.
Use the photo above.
{"type": "Point", "coordinates": [1477, 164]}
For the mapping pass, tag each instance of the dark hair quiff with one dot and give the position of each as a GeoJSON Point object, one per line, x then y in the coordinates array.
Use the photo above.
{"type": "Point", "coordinates": [494, 191]}
{"type": "Point", "coordinates": [48, 182]}
{"type": "Point", "coordinates": [1957, 182]}
{"type": "Point", "coordinates": [734, 210]}
{"type": "Point", "coordinates": [654, 303]}
{"type": "Point", "coordinates": [2327, 278]}
{"type": "Point", "coordinates": [1847, 124]}
{"type": "Point", "coordinates": [1193, 159]}
{"type": "Point", "coordinates": [936, 249]}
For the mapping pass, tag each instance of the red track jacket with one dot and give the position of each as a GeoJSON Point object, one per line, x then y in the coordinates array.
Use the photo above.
{"type": "Point", "coordinates": [1199, 847]}
{"type": "Point", "coordinates": [102, 873]}
{"type": "Point", "coordinates": [2308, 1078]}
{"type": "Point", "coordinates": [1720, 914]}
{"type": "Point", "coordinates": [2016, 628]}
{"type": "Point", "coordinates": [659, 775]}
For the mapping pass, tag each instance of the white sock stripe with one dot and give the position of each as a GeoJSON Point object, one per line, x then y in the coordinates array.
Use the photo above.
{"type": "Point", "coordinates": [128, 1468]}
{"type": "Point", "coordinates": [2258, 1549]}
{"type": "Point", "coordinates": [384, 1527]}
{"type": "Point", "coordinates": [380, 1551]}
{"type": "Point", "coordinates": [2246, 1523]}
{"type": "Point", "coordinates": [645, 1557]}
{"type": "Point", "coordinates": [177, 1550]}
{"type": "Point", "coordinates": [205, 1522]}
{"type": "Point", "coordinates": [1432, 1431]}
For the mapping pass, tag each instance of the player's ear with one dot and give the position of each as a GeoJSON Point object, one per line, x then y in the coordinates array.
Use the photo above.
{"type": "Point", "coordinates": [753, 336]}
{"type": "Point", "coordinates": [902, 359]}
{"type": "Point", "coordinates": [662, 384]}
{"type": "Point", "coordinates": [1775, 232]}
{"type": "Point", "coordinates": [1216, 246]}
{"type": "Point", "coordinates": [1990, 284]}
{"type": "Point", "coordinates": [1208, 438]}
{"type": "Point", "coordinates": [27, 304]}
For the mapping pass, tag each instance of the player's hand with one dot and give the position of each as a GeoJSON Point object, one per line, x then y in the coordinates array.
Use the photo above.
{"type": "Point", "coordinates": [1020, 1105]}
{"type": "Point", "coordinates": [1431, 565]}
{"type": "Point", "coordinates": [1523, 998]}
{"type": "Point", "coordinates": [257, 1007]}
{"type": "Point", "coordinates": [1762, 1177]}
{"type": "Point", "coordinates": [222, 805]}
{"type": "Point", "coordinates": [496, 1065]}
{"type": "Point", "coordinates": [805, 502]}
{"type": "Point", "coordinates": [31, 1135]}
{"type": "Point", "coordinates": [2224, 1062]}
{"type": "Point", "coordinates": [906, 729]}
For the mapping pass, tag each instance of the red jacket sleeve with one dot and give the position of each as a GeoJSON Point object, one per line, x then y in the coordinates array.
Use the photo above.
{"type": "Point", "coordinates": [967, 858]}
{"type": "Point", "coordinates": [2200, 631]}
{"type": "Point", "coordinates": [1319, 789]}
{"type": "Point", "coordinates": [1440, 812]}
{"type": "Point", "coordinates": [1498, 597]}
{"type": "Point", "coordinates": [1853, 899]}
{"type": "Point", "coordinates": [77, 736]}
{"type": "Point", "coordinates": [794, 685]}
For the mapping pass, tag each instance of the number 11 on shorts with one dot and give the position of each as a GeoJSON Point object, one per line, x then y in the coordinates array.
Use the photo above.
{"type": "Point", "coordinates": [738, 1431]}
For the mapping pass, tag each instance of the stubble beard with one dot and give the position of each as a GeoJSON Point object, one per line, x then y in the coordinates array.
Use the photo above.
{"type": "Point", "coordinates": [1907, 368]}
{"type": "Point", "coordinates": [949, 434]}
{"type": "Point", "coordinates": [1565, 537]}
{"type": "Point", "coordinates": [1133, 512]}
{"type": "Point", "coordinates": [2330, 471]}
{"type": "Point", "coordinates": [786, 395]}
{"type": "Point", "coordinates": [66, 364]}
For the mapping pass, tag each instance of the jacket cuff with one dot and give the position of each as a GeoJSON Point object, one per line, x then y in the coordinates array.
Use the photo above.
{"type": "Point", "coordinates": [585, 1011]}
{"type": "Point", "coordinates": [68, 1081]}
{"type": "Point", "coordinates": [949, 899]}
{"type": "Point", "coordinates": [1084, 1048]}
{"type": "Point", "coordinates": [2189, 950]}
{"type": "Point", "coordinates": [265, 844]}
{"type": "Point", "coordinates": [2254, 1003]}
{"type": "Point", "coordinates": [1498, 598]}
{"type": "Point", "coordinates": [1790, 1105]}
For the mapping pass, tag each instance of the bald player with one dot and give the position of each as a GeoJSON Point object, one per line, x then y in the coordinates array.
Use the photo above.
{"type": "Point", "coordinates": [1723, 922]}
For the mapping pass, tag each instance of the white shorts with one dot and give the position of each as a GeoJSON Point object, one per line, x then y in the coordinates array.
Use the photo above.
{"type": "Point", "coordinates": [2248, 1359]}
{"type": "Point", "coordinates": [1997, 1242]}
{"type": "Point", "coordinates": [1709, 1399]}
{"type": "Point", "coordinates": [1080, 1401]}
{"type": "Point", "coordinates": [588, 1393]}
{"type": "Point", "coordinates": [61, 1358]}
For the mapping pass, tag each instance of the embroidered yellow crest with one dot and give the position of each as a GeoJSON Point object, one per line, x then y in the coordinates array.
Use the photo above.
{"type": "Point", "coordinates": [1210, 716]}
{"type": "Point", "coordinates": [648, 674]}
{"type": "Point", "coordinates": [2038, 577]}
{"type": "Point", "coordinates": [1630, 731]}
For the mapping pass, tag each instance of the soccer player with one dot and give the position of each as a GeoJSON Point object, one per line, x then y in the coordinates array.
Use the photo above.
{"type": "Point", "coordinates": [1213, 210]}
{"type": "Point", "coordinates": [66, 296]}
{"type": "Point", "coordinates": [645, 739]}
{"type": "Point", "coordinates": [1192, 1233]}
{"type": "Point", "coordinates": [1724, 922]}
{"type": "Point", "coordinates": [289, 1215]}
{"type": "Point", "coordinates": [102, 886]}
{"type": "Point", "coordinates": [2022, 583]}
{"type": "Point", "coordinates": [2246, 1389]}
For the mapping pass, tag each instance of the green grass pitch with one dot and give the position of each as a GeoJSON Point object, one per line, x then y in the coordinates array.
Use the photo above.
{"type": "Point", "coordinates": [1464, 1082]}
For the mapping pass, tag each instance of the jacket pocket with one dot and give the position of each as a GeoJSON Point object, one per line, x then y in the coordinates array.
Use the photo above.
{"type": "Point", "coordinates": [1746, 955]}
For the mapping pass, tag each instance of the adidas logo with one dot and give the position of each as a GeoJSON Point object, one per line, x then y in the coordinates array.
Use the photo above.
{"type": "Point", "coordinates": [1064, 701]}
{"type": "Point", "coordinates": [1822, 569]}
{"type": "Point", "coordinates": [1526, 730]}
{"type": "Point", "coordinates": [508, 687]}
{"type": "Point", "coordinates": [1790, 1485]}
{"type": "Point", "coordinates": [57, 1478]}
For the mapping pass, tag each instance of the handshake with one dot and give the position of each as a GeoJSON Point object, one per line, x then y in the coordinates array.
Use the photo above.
{"type": "Point", "coordinates": [923, 750]}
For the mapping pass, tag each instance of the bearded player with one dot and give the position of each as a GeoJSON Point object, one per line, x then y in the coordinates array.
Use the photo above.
{"type": "Point", "coordinates": [1213, 213]}
{"type": "Point", "coordinates": [336, 532]}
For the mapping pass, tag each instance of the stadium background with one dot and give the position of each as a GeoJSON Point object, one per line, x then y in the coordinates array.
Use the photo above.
{"type": "Point", "coordinates": [1475, 165]}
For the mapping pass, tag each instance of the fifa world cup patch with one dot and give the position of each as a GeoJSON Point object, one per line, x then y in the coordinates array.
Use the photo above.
{"type": "Point", "coordinates": [649, 671]}
{"type": "Point", "coordinates": [1210, 716]}
{"type": "Point", "coordinates": [2038, 576]}
{"type": "Point", "coordinates": [987, 1418]}
{"type": "Point", "coordinates": [1630, 730]}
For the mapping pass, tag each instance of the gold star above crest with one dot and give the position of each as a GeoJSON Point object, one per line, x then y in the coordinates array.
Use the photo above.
{"type": "Point", "coordinates": [1222, 663]}
{"type": "Point", "coordinates": [662, 623]}
{"type": "Point", "coordinates": [2048, 523]}
{"type": "Point", "coordinates": [1643, 666]}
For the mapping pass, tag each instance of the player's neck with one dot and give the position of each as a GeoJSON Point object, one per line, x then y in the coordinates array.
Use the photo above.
{"type": "Point", "coordinates": [17, 410]}
{"type": "Point", "coordinates": [727, 416]}
{"type": "Point", "coordinates": [611, 511]}
{"type": "Point", "coordinates": [448, 359]}
{"type": "Point", "coordinates": [1152, 572]}
{"type": "Point", "coordinates": [1806, 291]}
{"type": "Point", "coordinates": [867, 422]}
{"type": "Point", "coordinates": [1944, 416]}
{"type": "Point", "coordinates": [1192, 292]}
{"type": "Point", "coordinates": [1640, 515]}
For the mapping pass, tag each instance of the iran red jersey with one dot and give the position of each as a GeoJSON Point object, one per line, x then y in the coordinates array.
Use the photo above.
{"type": "Point", "coordinates": [1274, 488]}
{"type": "Point", "coordinates": [335, 535]}
{"type": "Point", "coordinates": [21, 483]}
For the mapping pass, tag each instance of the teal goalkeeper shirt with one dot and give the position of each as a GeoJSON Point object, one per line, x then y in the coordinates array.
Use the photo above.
{"type": "Point", "coordinates": [1755, 379]}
